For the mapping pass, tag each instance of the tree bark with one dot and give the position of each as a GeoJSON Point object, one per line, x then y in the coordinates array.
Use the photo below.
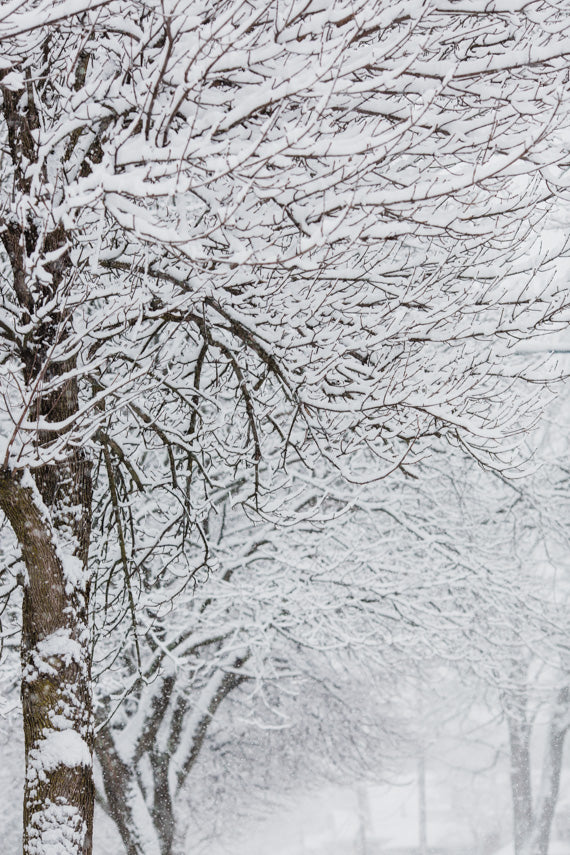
{"type": "Point", "coordinates": [122, 795]}
{"type": "Point", "coordinates": [56, 689]}
{"type": "Point", "coordinates": [533, 823]}
{"type": "Point", "coordinates": [146, 820]}
{"type": "Point", "coordinates": [50, 513]}
{"type": "Point", "coordinates": [519, 738]}
{"type": "Point", "coordinates": [550, 779]}
{"type": "Point", "coordinates": [162, 808]}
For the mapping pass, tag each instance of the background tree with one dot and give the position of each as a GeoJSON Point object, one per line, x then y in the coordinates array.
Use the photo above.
{"type": "Point", "coordinates": [430, 573]}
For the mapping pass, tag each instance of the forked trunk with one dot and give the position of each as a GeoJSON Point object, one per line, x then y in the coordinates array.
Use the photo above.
{"type": "Point", "coordinates": [145, 814]}
{"type": "Point", "coordinates": [550, 779]}
{"type": "Point", "coordinates": [533, 822]}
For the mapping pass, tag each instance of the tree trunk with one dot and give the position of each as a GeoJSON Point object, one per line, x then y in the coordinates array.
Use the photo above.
{"type": "Point", "coordinates": [50, 512]}
{"type": "Point", "coordinates": [519, 738]}
{"type": "Point", "coordinates": [146, 818]}
{"type": "Point", "coordinates": [145, 829]}
{"type": "Point", "coordinates": [124, 802]}
{"type": "Point", "coordinates": [550, 779]}
{"type": "Point", "coordinates": [55, 652]}
{"type": "Point", "coordinates": [163, 809]}
{"type": "Point", "coordinates": [422, 804]}
{"type": "Point", "coordinates": [363, 818]}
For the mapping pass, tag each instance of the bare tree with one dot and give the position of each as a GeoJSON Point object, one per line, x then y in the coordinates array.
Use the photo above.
{"type": "Point", "coordinates": [397, 587]}
{"type": "Point", "coordinates": [233, 226]}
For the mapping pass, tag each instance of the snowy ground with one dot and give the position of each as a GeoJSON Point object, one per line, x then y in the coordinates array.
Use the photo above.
{"type": "Point", "coordinates": [331, 823]}
{"type": "Point", "coordinates": [464, 815]}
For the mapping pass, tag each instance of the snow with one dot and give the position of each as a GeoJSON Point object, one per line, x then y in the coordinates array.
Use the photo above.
{"type": "Point", "coordinates": [56, 829]}
{"type": "Point", "coordinates": [15, 81]}
{"type": "Point", "coordinates": [74, 572]}
{"type": "Point", "coordinates": [59, 644]}
{"type": "Point", "coordinates": [351, 184]}
{"type": "Point", "coordinates": [59, 748]}
{"type": "Point", "coordinates": [332, 820]}
{"type": "Point", "coordinates": [28, 483]}
{"type": "Point", "coordinates": [555, 847]}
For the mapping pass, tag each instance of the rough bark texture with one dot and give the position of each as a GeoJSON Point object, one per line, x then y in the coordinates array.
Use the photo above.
{"type": "Point", "coordinates": [50, 514]}
{"type": "Point", "coordinates": [118, 784]}
{"type": "Point", "coordinates": [56, 693]}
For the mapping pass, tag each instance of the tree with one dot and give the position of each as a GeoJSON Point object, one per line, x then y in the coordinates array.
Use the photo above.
{"type": "Point", "coordinates": [536, 683]}
{"type": "Point", "coordinates": [397, 588]}
{"type": "Point", "coordinates": [518, 627]}
{"type": "Point", "coordinates": [231, 227]}
{"type": "Point", "coordinates": [259, 622]}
